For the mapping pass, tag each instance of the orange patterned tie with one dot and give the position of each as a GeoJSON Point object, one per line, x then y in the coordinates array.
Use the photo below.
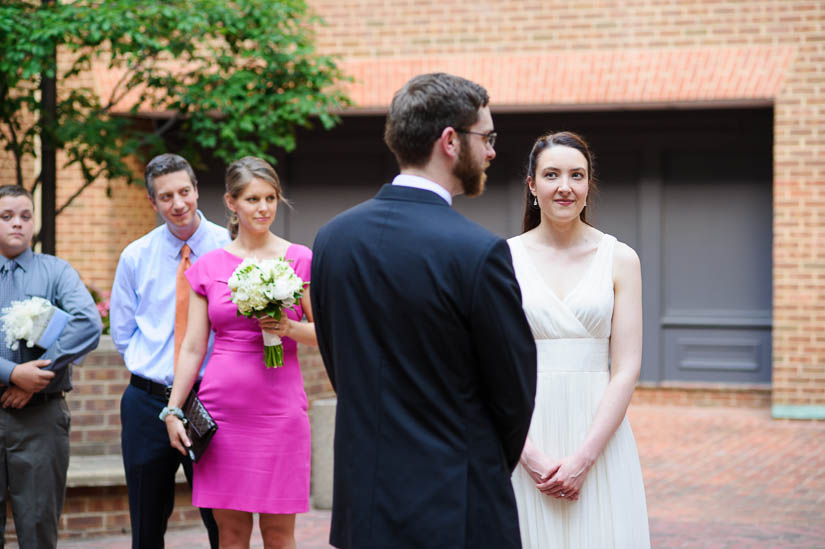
{"type": "Point", "coordinates": [181, 299]}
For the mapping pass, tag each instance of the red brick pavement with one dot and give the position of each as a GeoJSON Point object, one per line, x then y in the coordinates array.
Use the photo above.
{"type": "Point", "coordinates": [715, 478]}
{"type": "Point", "coordinates": [731, 478]}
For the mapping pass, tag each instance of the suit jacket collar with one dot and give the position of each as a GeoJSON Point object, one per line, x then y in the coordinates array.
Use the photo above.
{"type": "Point", "coordinates": [410, 194]}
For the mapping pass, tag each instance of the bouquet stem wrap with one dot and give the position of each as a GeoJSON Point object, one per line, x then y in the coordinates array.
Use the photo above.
{"type": "Point", "coordinates": [273, 350]}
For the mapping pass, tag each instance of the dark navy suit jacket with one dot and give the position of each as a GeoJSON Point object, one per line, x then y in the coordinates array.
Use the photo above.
{"type": "Point", "coordinates": [422, 333]}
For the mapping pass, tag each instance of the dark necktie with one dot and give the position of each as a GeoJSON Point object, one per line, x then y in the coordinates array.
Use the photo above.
{"type": "Point", "coordinates": [8, 293]}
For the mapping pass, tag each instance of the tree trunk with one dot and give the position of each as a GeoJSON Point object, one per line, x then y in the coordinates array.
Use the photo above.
{"type": "Point", "coordinates": [48, 196]}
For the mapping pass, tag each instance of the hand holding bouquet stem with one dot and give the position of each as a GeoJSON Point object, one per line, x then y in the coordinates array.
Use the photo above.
{"type": "Point", "coordinates": [273, 328]}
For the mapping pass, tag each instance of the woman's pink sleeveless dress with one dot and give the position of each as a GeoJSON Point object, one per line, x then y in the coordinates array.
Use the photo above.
{"type": "Point", "coordinates": [259, 459]}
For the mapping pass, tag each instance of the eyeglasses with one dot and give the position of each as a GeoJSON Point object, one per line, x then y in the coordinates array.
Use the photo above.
{"type": "Point", "coordinates": [489, 138]}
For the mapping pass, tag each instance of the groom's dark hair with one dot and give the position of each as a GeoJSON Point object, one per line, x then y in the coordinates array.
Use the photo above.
{"type": "Point", "coordinates": [423, 107]}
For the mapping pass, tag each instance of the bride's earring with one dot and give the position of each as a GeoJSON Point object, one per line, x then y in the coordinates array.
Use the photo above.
{"type": "Point", "coordinates": [535, 201]}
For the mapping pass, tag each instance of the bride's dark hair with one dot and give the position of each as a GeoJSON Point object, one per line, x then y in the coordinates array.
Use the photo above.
{"type": "Point", "coordinates": [532, 214]}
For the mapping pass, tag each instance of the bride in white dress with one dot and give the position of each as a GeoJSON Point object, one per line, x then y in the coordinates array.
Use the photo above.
{"type": "Point", "coordinates": [579, 482]}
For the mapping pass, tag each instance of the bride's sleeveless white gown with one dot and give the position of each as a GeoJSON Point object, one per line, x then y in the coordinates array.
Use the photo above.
{"type": "Point", "coordinates": [572, 338]}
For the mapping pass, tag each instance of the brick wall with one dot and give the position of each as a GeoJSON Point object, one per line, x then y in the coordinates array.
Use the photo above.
{"type": "Point", "coordinates": [95, 229]}
{"type": "Point", "coordinates": [104, 510]}
{"type": "Point", "coordinates": [376, 28]}
{"type": "Point", "coordinates": [799, 219]}
{"type": "Point", "coordinates": [703, 394]}
{"type": "Point", "coordinates": [95, 401]}
{"type": "Point", "coordinates": [95, 511]}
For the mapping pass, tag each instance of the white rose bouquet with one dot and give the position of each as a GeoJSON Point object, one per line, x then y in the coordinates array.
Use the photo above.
{"type": "Point", "coordinates": [36, 320]}
{"type": "Point", "coordinates": [266, 287]}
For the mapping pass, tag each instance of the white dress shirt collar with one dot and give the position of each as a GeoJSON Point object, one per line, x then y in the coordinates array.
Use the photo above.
{"type": "Point", "coordinates": [406, 180]}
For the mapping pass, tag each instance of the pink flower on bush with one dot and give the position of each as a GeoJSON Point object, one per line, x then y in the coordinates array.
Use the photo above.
{"type": "Point", "coordinates": [102, 302]}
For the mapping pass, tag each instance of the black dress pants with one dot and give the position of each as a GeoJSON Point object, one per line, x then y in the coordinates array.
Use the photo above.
{"type": "Point", "coordinates": [150, 464]}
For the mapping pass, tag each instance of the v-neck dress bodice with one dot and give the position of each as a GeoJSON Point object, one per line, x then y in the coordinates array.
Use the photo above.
{"type": "Point", "coordinates": [573, 344]}
{"type": "Point", "coordinates": [585, 311]}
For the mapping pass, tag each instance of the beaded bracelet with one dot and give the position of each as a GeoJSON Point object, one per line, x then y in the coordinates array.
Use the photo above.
{"type": "Point", "coordinates": [174, 410]}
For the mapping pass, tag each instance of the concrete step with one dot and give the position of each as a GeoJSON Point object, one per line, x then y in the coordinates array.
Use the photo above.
{"type": "Point", "coordinates": [102, 471]}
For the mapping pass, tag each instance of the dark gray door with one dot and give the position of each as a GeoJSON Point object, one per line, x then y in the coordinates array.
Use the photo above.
{"type": "Point", "coordinates": [716, 252]}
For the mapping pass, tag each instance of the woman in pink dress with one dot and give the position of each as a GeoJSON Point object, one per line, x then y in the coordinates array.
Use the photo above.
{"type": "Point", "coordinates": [259, 459]}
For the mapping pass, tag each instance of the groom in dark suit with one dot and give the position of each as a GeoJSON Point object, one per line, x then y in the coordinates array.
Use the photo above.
{"type": "Point", "coordinates": [422, 333]}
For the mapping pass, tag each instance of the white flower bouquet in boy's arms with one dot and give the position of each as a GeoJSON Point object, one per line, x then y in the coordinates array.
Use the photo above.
{"type": "Point", "coordinates": [266, 287]}
{"type": "Point", "coordinates": [35, 320]}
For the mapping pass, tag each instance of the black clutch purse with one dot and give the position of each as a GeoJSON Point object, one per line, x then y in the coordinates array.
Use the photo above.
{"type": "Point", "coordinates": [200, 427]}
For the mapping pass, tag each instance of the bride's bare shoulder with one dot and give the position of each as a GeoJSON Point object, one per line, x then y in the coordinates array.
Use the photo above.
{"type": "Point", "coordinates": [626, 262]}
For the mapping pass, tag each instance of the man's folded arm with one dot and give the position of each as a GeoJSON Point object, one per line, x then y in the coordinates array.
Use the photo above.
{"type": "Point", "coordinates": [506, 349]}
{"type": "Point", "coordinates": [81, 333]}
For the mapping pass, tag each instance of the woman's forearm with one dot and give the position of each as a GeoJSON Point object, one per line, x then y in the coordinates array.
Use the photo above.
{"type": "Point", "coordinates": [303, 332]}
{"type": "Point", "coordinates": [186, 371]}
{"type": "Point", "coordinates": [609, 415]}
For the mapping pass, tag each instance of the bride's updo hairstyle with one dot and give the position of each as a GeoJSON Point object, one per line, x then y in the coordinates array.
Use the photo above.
{"type": "Point", "coordinates": [241, 173]}
{"type": "Point", "coordinates": [532, 213]}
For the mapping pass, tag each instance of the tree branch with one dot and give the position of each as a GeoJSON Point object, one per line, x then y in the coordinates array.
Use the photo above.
{"type": "Point", "coordinates": [115, 100]}
{"type": "Point", "coordinates": [37, 181]}
{"type": "Point", "coordinates": [77, 193]}
{"type": "Point", "coordinates": [91, 178]}
{"type": "Point", "coordinates": [18, 160]}
{"type": "Point", "coordinates": [163, 128]}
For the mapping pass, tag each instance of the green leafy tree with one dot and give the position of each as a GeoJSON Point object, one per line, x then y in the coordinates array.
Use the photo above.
{"type": "Point", "coordinates": [236, 78]}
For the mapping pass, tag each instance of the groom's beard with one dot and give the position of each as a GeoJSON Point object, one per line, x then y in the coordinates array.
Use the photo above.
{"type": "Point", "coordinates": [469, 173]}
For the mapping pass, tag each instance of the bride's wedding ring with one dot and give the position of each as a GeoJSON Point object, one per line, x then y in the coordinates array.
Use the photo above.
{"type": "Point", "coordinates": [562, 494]}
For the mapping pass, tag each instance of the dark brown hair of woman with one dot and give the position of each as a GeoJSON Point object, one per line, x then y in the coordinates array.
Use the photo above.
{"type": "Point", "coordinates": [532, 214]}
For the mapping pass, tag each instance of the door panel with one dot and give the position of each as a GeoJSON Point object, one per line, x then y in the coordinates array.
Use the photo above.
{"type": "Point", "coordinates": [720, 354]}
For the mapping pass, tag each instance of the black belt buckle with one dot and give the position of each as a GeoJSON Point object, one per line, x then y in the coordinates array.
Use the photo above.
{"type": "Point", "coordinates": [168, 392]}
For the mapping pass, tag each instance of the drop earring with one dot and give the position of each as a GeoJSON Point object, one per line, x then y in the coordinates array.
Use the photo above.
{"type": "Point", "coordinates": [535, 201]}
